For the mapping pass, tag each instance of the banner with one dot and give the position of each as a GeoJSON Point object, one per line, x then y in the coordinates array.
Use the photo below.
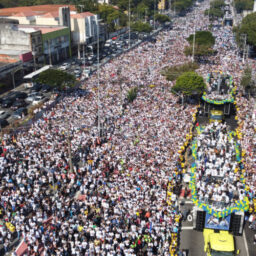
{"type": "Point", "coordinates": [213, 222]}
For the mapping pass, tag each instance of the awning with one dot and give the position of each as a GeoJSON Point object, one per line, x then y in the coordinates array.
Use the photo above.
{"type": "Point", "coordinates": [37, 72]}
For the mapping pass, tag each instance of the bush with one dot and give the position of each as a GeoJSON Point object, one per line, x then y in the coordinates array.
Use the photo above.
{"type": "Point", "coordinates": [56, 78]}
{"type": "Point", "coordinates": [172, 73]}
{"type": "Point", "coordinates": [132, 94]}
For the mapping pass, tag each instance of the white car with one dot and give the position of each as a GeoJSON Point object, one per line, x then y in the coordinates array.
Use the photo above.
{"type": "Point", "coordinates": [37, 100]}
{"type": "Point", "coordinates": [28, 85]}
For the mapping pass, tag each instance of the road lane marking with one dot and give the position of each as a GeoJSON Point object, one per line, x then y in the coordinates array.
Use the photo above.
{"type": "Point", "coordinates": [186, 228]}
{"type": "Point", "coordinates": [245, 243]}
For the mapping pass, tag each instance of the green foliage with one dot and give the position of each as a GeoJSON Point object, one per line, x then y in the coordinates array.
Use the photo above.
{"type": "Point", "coordinates": [141, 27]}
{"type": "Point", "coordinates": [189, 83]}
{"type": "Point", "coordinates": [246, 80]}
{"type": "Point", "coordinates": [162, 18]}
{"type": "Point", "coordinates": [214, 13]}
{"type": "Point", "coordinates": [2, 85]}
{"type": "Point", "coordinates": [56, 78]}
{"type": "Point", "coordinates": [132, 94]}
{"type": "Point", "coordinates": [216, 10]}
{"type": "Point", "coordinates": [86, 5]}
{"type": "Point", "coordinates": [217, 4]}
{"type": "Point", "coordinates": [172, 73]}
{"type": "Point", "coordinates": [202, 38]}
{"type": "Point", "coordinates": [248, 27]}
{"type": "Point", "coordinates": [112, 17]}
{"type": "Point", "coordinates": [242, 5]}
{"type": "Point", "coordinates": [180, 6]}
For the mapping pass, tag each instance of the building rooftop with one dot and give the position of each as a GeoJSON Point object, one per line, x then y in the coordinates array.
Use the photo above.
{"type": "Point", "coordinates": [36, 10]}
{"type": "Point", "coordinates": [6, 59]}
{"type": "Point", "coordinates": [81, 15]}
{"type": "Point", "coordinates": [43, 29]}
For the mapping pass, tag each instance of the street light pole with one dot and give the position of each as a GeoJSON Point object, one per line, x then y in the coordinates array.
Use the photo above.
{"type": "Point", "coordinates": [98, 75]}
{"type": "Point", "coordinates": [154, 14]}
{"type": "Point", "coordinates": [193, 49]}
{"type": "Point", "coordinates": [129, 23]}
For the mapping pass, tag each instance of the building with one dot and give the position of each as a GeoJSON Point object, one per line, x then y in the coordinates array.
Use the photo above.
{"type": "Point", "coordinates": [82, 26]}
{"type": "Point", "coordinates": [10, 68]}
{"type": "Point", "coordinates": [20, 43]}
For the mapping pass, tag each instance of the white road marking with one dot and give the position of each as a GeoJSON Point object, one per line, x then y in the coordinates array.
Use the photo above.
{"type": "Point", "coordinates": [245, 244]}
{"type": "Point", "coordinates": [186, 228]}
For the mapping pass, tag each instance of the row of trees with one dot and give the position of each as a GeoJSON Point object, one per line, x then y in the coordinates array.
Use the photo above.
{"type": "Point", "coordinates": [247, 27]}
{"type": "Point", "coordinates": [216, 9]}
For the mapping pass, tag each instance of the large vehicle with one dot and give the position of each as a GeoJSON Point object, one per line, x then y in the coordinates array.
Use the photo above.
{"type": "Point", "coordinates": [219, 243]}
{"type": "Point", "coordinates": [216, 115]}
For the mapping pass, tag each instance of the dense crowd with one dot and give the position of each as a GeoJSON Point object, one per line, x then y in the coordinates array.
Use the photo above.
{"type": "Point", "coordinates": [111, 198]}
{"type": "Point", "coordinates": [218, 172]}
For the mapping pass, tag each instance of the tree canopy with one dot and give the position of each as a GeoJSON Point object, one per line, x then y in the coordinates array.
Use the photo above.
{"type": "Point", "coordinates": [204, 41]}
{"type": "Point", "coordinates": [189, 83]}
{"type": "Point", "coordinates": [56, 78]}
{"type": "Point", "coordinates": [248, 27]}
{"type": "Point", "coordinates": [246, 80]}
{"type": "Point", "coordinates": [182, 6]}
{"type": "Point", "coordinates": [173, 72]}
{"type": "Point", "coordinates": [242, 5]}
{"type": "Point", "coordinates": [162, 18]}
{"type": "Point", "coordinates": [202, 38]}
{"type": "Point", "coordinates": [141, 27]}
{"type": "Point", "coordinates": [216, 9]}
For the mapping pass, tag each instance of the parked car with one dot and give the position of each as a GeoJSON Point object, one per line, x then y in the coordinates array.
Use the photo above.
{"type": "Point", "coordinates": [46, 88]}
{"type": "Point", "coordinates": [3, 123]}
{"type": "Point", "coordinates": [37, 100]}
{"type": "Point", "coordinates": [4, 114]}
{"type": "Point", "coordinates": [18, 104]}
{"type": "Point", "coordinates": [20, 95]}
{"type": "Point", "coordinates": [36, 88]}
{"type": "Point", "coordinates": [28, 85]}
{"type": "Point", "coordinates": [7, 103]}
{"type": "Point", "coordinates": [32, 96]}
{"type": "Point", "coordinates": [19, 113]}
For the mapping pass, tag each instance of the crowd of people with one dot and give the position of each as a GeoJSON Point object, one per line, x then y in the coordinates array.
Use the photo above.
{"type": "Point", "coordinates": [69, 188]}
{"type": "Point", "coordinates": [218, 171]}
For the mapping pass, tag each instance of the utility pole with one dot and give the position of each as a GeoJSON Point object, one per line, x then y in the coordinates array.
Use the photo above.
{"type": "Point", "coordinates": [129, 7]}
{"type": "Point", "coordinates": [69, 153]}
{"type": "Point", "coordinates": [49, 51]}
{"type": "Point", "coordinates": [154, 15]}
{"type": "Point", "coordinates": [98, 75]}
{"type": "Point", "coordinates": [193, 49]}
{"type": "Point", "coordinates": [244, 38]}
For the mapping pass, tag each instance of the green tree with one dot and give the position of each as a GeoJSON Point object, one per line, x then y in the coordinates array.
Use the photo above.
{"type": "Point", "coordinates": [214, 13]}
{"type": "Point", "coordinates": [242, 5]}
{"type": "Point", "coordinates": [112, 17]}
{"type": "Point", "coordinates": [189, 83]}
{"type": "Point", "coordinates": [56, 78]}
{"type": "Point", "coordinates": [248, 27]}
{"type": "Point", "coordinates": [162, 18]}
{"type": "Point", "coordinates": [218, 4]}
{"type": "Point", "coordinates": [202, 38]}
{"type": "Point", "coordinates": [141, 27]}
{"type": "Point", "coordinates": [204, 41]}
{"type": "Point", "coordinates": [246, 80]}
{"type": "Point", "coordinates": [173, 72]}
